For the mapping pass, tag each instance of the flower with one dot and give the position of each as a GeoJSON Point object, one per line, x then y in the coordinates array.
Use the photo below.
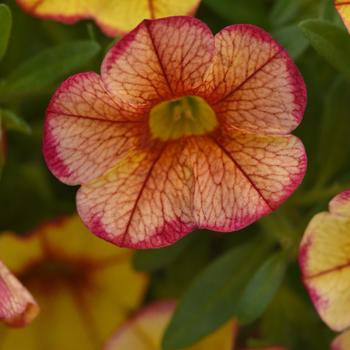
{"type": "Point", "coordinates": [324, 260]}
{"type": "Point", "coordinates": [17, 306]}
{"type": "Point", "coordinates": [83, 285]}
{"type": "Point", "coordinates": [112, 16]}
{"type": "Point", "coordinates": [343, 8]}
{"type": "Point", "coordinates": [182, 130]}
{"type": "Point", "coordinates": [146, 329]}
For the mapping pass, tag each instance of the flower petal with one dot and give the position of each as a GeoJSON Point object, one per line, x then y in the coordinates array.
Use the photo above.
{"type": "Point", "coordinates": [159, 60]}
{"type": "Point", "coordinates": [342, 341]}
{"type": "Point", "coordinates": [242, 177]}
{"type": "Point", "coordinates": [145, 331]}
{"type": "Point", "coordinates": [17, 306]}
{"type": "Point", "coordinates": [343, 7]}
{"type": "Point", "coordinates": [113, 16]}
{"type": "Point", "coordinates": [256, 86]}
{"type": "Point", "coordinates": [340, 204]}
{"type": "Point", "coordinates": [324, 260]}
{"type": "Point", "coordinates": [86, 133]}
{"type": "Point", "coordinates": [144, 201]}
{"type": "Point", "coordinates": [226, 183]}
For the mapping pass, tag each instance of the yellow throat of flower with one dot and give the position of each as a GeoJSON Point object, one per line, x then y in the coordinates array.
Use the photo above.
{"type": "Point", "coordinates": [185, 116]}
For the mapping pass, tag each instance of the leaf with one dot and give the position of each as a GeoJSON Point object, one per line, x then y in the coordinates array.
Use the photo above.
{"type": "Point", "coordinates": [334, 131]}
{"type": "Point", "coordinates": [154, 259]}
{"type": "Point", "coordinates": [11, 121]}
{"type": "Point", "coordinates": [261, 288]}
{"type": "Point", "coordinates": [5, 28]}
{"type": "Point", "coordinates": [211, 299]}
{"type": "Point", "coordinates": [330, 41]}
{"type": "Point", "coordinates": [49, 66]}
{"type": "Point", "coordinates": [239, 11]}
{"type": "Point", "coordinates": [283, 11]}
{"type": "Point", "coordinates": [292, 39]}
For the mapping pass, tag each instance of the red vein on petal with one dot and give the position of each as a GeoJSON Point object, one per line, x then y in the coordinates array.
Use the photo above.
{"type": "Point", "coordinates": [326, 272]}
{"type": "Point", "coordinates": [148, 175]}
{"type": "Point", "coordinates": [159, 59]}
{"type": "Point", "coordinates": [242, 171]}
{"type": "Point", "coordinates": [95, 118]}
{"type": "Point", "coordinates": [250, 76]}
{"type": "Point", "coordinates": [151, 9]}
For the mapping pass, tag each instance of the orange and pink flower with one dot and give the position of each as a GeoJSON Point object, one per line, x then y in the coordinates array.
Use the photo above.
{"type": "Point", "coordinates": [181, 130]}
{"type": "Point", "coordinates": [112, 16]}
{"type": "Point", "coordinates": [324, 260]}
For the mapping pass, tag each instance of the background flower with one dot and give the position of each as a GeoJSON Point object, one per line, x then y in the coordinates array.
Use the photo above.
{"type": "Point", "coordinates": [112, 16]}
{"type": "Point", "coordinates": [343, 7]}
{"type": "Point", "coordinates": [324, 260]}
{"type": "Point", "coordinates": [17, 306]}
{"type": "Point", "coordinates": [84, 286]}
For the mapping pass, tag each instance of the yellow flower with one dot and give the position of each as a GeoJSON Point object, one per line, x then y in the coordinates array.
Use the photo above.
{"type": "Point", "coordinates": [84, 286]}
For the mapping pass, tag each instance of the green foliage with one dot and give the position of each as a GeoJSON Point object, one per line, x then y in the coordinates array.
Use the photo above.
{"type": "Point", "coordinates": [39, 73]}
{"type": "Point", "coordinates": [154, 259]}
{"type": "Point", "coordinates": [10, 121]}
{"type": "Point", "coordinates": [5, 28]}
{"type": "Point", "coordinates": [214, 296]}
{"type": "Point", "coordinates": [330, 41]}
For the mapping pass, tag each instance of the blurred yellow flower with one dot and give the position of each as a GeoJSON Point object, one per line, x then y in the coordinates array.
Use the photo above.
{"type": "Point", "coordinates": [84, 286]}
{"type": "Point", "coordinates": [112, 16]}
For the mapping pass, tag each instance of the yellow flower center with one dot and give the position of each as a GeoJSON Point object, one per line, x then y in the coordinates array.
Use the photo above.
{"type": "Point", "coordinates": [185, 116]}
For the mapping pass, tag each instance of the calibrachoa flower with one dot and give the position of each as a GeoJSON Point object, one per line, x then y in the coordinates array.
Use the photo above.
{"type": "Point", "coordinates": [112, 16]}
{"type": "Point", "coordinates": [343, 7]}
{"type": "Point", "coordinates": [17, 307]}
{"type": "Point", "coordinates": [146, 329]}
{"type": "Point", "coordinates": [182, 130]}
{"type": "Point", "coordinates": [324, 260]}
{"type": "Point", "coordinates": [83, 285]}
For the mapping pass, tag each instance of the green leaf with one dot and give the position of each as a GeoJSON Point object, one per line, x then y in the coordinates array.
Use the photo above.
{"type": "Point", "coordinates": [239, 11]}
{"type": "Point", "coordinates": [262, 288]}
{"type": "Point", "coordinates": [328, 12]}
{"type": "Point", "coordinates": [334, 131]}
{"type": "Point", "coordinates": [39, 73]}
{"type": "Point", "coordinates": [283, 11]}
{"type": "Point", "coordinates": [5, 28]}
{"type": "Point", "coordinates": [211, 299]}
{"type": "Point", "coordinates": [292, 39]}
{"type": "Point", "coordinates": [11, 121]}
{"type": "Point", "coordinates": [154, 259]}
{"type": "Point", "coordinates": [330, 41]}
